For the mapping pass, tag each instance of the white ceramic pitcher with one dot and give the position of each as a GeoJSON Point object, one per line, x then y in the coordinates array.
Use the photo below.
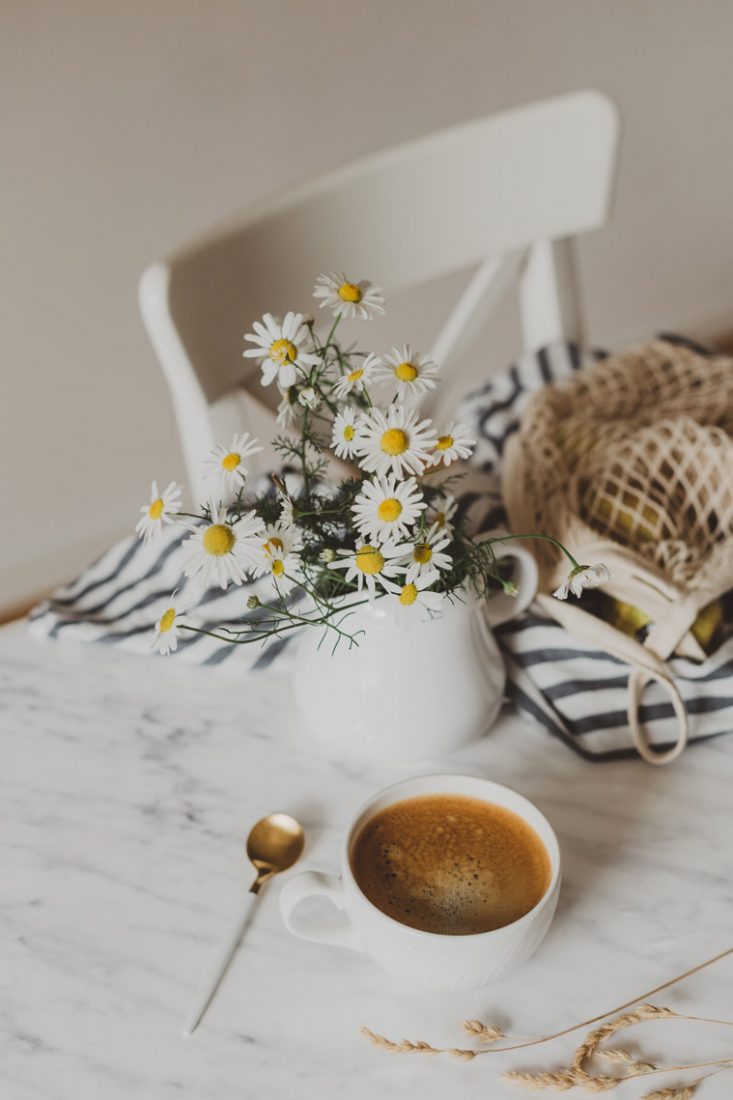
{"type": "Point", "coordinates": [409, 692]}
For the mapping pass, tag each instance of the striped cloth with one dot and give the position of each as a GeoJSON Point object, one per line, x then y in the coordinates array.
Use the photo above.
{"type": "Point", "coordinates": [576, 693]}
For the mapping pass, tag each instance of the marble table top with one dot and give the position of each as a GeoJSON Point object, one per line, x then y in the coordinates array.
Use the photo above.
{"type": "Point", "coordinates": [126, 787]}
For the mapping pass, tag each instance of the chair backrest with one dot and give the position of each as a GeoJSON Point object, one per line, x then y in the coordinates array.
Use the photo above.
{"type": "Point", "coordinates": [503, 194]}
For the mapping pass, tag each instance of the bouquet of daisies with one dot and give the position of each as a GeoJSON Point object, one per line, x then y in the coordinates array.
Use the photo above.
{"type": "Point", "coordinates": [389, 529]}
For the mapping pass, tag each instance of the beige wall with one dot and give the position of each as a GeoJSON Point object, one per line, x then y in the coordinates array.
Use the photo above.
{"type": "Point", "coordinates": [128, 127]}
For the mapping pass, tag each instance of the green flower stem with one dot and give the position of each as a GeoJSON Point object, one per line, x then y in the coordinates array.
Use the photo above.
{"type": "Point", "coordinates": [545, 538]}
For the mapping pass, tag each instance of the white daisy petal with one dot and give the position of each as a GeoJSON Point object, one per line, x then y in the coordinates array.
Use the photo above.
{"type": "Point", "coordinates": [161, 509]}
{"type": "Point", "coordinates": [220, 551]}
{"type": "Point", "coordinates": [394, 442]}
{"type": "Point", "coordinates": [410, 372]}
{"type": "Point", "coordinates": [411, 597]}
{"type": "Point", "coordinates": [386, 508]}
{"type": "Point", "coordinates": [428, 554]}
{"type": "Point", "coordinates": [368, 564]}
{"type": "Point", "coordinates": [441, 512]}
{"type": "Point", "coordinates": [279, 556]}
{"type": "Point", "coordinates": [584, 576]}
{"type": "Point", "coordinates": [355, 380]}
{"type": "Point", "coordinates": [168, 617]}
{"type": "Point", "coordinates": [348, 299]}
{"type": "Point", "coordinates": [288, 410]}
{"type": "Point", "coordinates": [453, 444]}
{"type": "Point", "coordinates": [227, 466]}
{"type": "Point", "coordinates": [281, 349]}
{"type": "Point", "coordinates": [343, 436]}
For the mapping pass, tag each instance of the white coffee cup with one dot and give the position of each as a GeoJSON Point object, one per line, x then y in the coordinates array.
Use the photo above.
{"type": "Point", "coordinates": [427, 958]}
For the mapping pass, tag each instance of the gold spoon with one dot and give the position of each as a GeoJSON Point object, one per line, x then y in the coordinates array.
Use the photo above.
{"type": "Point", "coordinates": [273, 845]}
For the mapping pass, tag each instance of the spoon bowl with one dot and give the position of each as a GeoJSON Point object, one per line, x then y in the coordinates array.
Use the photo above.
{"type": "Point", "coordinates": [273, 845]}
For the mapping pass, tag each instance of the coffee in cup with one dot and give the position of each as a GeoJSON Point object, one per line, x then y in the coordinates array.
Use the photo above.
{"type": "Point", "coordinates": [450, 864]}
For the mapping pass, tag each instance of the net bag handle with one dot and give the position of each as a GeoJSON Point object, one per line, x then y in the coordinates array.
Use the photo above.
{"type": "Point", "coordinates": [638, 680]}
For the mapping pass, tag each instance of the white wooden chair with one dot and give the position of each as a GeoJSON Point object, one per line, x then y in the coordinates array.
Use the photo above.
{"type": "Point", "coordinates": [503, 195]}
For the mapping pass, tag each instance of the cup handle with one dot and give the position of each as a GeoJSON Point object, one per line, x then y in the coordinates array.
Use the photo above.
{"type": "Point", "coordinates": [309, 884]}
{"type": "Point", "coordinates": [501, 607]}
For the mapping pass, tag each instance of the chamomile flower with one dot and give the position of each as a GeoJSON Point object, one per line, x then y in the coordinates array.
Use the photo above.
{"type": "Point", "coordinates": [347, 299]}
{"type": "Point", "coordinates": [288, 409]}
{"type": "Point", "coordinates": [410, 371]}
{"type": "Point", "coordinates": [169, 614]}
{"type": "Point", "coordinates": [385, 508]}
{"type": "Point", "coordinates": [355, 380]}
{"type": "Point", "coordinates": [343, 437]}
{"type": "Point", "coordinates": [227, 466]}
{"type": "Point", "coordinates": [428, 554]}
{"type": "Point", "coordinates": [281, 348]}
{"type": "Point", "coordinates": [583, 576]}
{"type": "Point", "coordinates": [220, 552]}
{"type": "Point", "coordinates": [453, 444]}
{"type": "Point", "coordinates": [412, 595]}
{"type": "Point", "coordinates": [162, 507]}
{"type": "Point", "coordinates": [279, 555]}
{"type": "Point", "coordinates": [308, 398]}
{"type": "Point", "coordinates": [394, 442]}
{"type": "Point", "coordinates": [368, 564]}
{"type": "Point", "coordinates": [287, 518]}
{"type": "Point", "coordinates": [441, 511]}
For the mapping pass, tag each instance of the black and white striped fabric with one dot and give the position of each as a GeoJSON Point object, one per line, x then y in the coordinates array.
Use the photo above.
{"type": "Point", "coordinates": [576, 693]}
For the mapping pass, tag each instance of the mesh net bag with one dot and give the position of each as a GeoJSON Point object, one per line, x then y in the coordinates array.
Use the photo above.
{"type": "Point", "coordinates": [630, 463]}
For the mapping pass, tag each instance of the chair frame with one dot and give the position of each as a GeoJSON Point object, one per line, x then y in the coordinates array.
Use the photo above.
{"type": "Point", "coordinates": [531, 180]}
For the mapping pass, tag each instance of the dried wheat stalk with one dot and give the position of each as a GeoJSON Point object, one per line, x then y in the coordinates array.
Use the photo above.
{"type": "Point", "coordinates": [683, 1093]}
{"type": "Point", "coordinates": [484, 1033]}
{"type": "Point", "coordinates": [491, 1029]}
{"type": "Point", "coordinates": [562, 1080]}
{"type": "Point", "coordinates": [592, 1041]}
{"type": "Point", "coordinates": [618, 1056]}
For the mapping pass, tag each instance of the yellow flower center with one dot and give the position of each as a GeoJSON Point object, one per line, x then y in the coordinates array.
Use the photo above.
{"type": "Point", "coordinates": [408, 595]}
{"type": "Point", "coordinates": [283, 351]}
{"type": "Point", "coordinates": [218, 540]}
{"type": "Point", "coordinates": [355, 375]}
{"type": "Point", "coordinates": [406, 372]}
{"type": "Point", "coordinates": [440, 519]}
{"type": "Point", "coordinates": [395, 441]}
{"type": "Point", "coordinates": [389, 510]}
{"type": "Point", "coordinates": [166, 620]}
{"type": "Point", "coordinates": [422, 553]}
{"type": "Point", "coordinates": [349, 292]}
{"type": "Point", "coordinates": [155, 511]}
{"type": "Point", "coordinates": [444, 443]}
{"type": "Point", "coordinates": [369, 559]}
{"type": "Point", "coordinates": [273, 545]}
{"type": "Point", "coordinates": [278, 567]}
{"type": "Point", "coordinates": [231, 461]}
{"type": "Point", "coordinates": [349, 433]}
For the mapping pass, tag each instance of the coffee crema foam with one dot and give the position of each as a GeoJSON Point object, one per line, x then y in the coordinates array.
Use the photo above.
{"type": "Point", "coordinates": [450, 864]}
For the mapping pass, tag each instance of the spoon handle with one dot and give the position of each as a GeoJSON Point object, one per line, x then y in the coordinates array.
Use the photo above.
{"type": "Point", "coordinates": [218, 964]}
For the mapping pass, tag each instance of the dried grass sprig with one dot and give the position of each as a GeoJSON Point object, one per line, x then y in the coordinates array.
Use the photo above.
{"type": "Point", "coordinates": [592, 1041]}
{"type": "Point", "coordinates": [618, 1056]}
{"type": "Point", "coordinates": [483, 1033]}
{"type": "Point", "coordinates": [561, 1080]}
{"type": "Point", "coordinates": [408, 1046]}
{"type": "Point", "coordinates": [684, 1093]}
{"type": "Point", "coordinates": [490, 1028]}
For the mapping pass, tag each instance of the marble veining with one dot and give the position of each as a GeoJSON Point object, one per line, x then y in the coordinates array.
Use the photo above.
{"type": "Point", "coordinates": [127, 787]}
